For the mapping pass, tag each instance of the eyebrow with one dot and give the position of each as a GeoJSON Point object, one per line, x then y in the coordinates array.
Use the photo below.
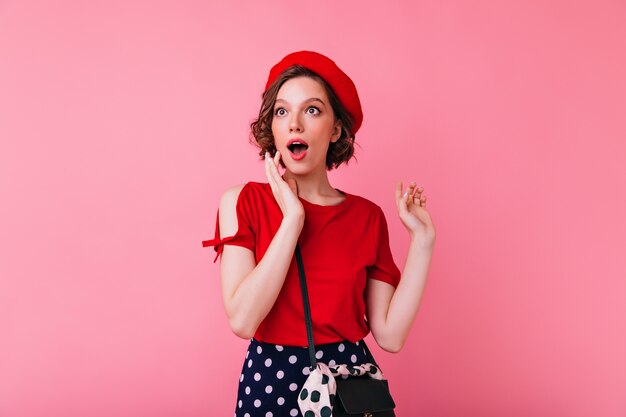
{"type": "Point", "coordinates": [305, 101]}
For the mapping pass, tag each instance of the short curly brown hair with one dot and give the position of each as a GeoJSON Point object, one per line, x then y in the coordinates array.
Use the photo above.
{"type": "Point", "coordinates": [261, 128]}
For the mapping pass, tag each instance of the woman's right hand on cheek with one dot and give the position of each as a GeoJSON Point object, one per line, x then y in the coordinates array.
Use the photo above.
{"type": "Point", "coordinates": [285, 192]}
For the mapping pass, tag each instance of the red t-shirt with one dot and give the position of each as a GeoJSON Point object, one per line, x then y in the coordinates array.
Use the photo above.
{"type": "Point", "coordinates": [341, 246]}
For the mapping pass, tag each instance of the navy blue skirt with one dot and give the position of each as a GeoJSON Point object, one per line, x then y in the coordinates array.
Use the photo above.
{"type": "Point", "coordinates": [272, 375]}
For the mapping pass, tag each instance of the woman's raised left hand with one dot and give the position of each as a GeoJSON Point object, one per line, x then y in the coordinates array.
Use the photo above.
{"type": "Point", "coordinates": [412, 211]}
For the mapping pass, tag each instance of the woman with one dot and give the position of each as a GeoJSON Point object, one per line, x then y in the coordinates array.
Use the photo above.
{"type": "Point", "coordinates": [307, 124]}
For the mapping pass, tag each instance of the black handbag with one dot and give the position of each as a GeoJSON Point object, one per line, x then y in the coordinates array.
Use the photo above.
{"type": "Point", "coordinates": [356, 395]}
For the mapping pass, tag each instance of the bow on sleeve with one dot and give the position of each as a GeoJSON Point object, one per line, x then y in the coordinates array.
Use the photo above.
{"type": "Point", "coordinates": [219, 243]}
{"type": "Point", "coordinates": [243, 237]}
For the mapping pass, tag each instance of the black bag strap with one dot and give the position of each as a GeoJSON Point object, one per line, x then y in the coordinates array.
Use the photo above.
{"type": "Point", "coordinates": [307, 310]}
{"type": "Point", "coordinates": [307, 315]}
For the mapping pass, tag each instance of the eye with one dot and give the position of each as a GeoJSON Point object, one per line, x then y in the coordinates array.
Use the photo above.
{"type": "Point", "coordinates": [277, 110]}
{"type": "Point", "coordinates": [313, 107]}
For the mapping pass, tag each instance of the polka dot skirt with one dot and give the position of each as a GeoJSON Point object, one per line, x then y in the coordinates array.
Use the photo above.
{"type": "Point", "coordinates": [272, 375]}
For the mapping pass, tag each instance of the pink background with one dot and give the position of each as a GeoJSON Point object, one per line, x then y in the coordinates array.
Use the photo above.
{"type": "Point", "coordinates": [121, 124]}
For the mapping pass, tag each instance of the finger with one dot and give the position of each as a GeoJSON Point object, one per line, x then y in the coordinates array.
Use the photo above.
{"type": "Point", "coordinates": [403, 204]}
{"type": "Point", "coordinates": [277, 158]}
{"type": "Point", "coordinates": [278, 179]}
{"type": "Point", "coordinates": [268, 173]}
{"type": "Point", "coordinates": [401, 196]}
{"type": "Point", "coordinates": [274, 159]}
{"type": "Point", "coordinates": [276, 162]}
{"type": "Point", "coordinates": [272, 168]}
{"type": "Point", "coordinates": [398, 193]}
{"type": "Point", "coordinates": [409, 191]}
{"type": "Point", "coordinates": [410, 200]}
{"type": "Point", "coordinates": [266, 166]}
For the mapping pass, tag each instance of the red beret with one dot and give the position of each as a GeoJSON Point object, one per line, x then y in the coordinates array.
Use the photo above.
{"type": "Point", "coordinates": [341, 84]}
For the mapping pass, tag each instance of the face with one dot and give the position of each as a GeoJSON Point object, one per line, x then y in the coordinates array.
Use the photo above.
{"type": "Point", "coordinates": [302, 111]}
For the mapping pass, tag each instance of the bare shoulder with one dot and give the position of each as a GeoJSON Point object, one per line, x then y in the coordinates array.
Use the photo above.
{"type": "Point", "coordinates": [230, 195]}
{"type": "Point", "coordinates": [228, 210]}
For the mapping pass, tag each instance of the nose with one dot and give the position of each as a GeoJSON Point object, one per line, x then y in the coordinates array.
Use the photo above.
{"type": "Point", "coordinates": [294, 124]}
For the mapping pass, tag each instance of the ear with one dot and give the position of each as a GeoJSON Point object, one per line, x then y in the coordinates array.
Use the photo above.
{"type": "Point", "coordinates": [336, 132]}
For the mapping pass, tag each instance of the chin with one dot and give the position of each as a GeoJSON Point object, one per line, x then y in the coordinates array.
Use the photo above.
{"type": "Point", "coordinates": [298, 169]}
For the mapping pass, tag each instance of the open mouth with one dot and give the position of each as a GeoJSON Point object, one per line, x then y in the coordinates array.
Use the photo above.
{"type": "Point", "coordinates": [297, 148]}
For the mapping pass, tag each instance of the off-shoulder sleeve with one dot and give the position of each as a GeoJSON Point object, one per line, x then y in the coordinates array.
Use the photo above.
{"type": "Point", "coordinates": [384, 268]}
{"type": "Point", "coordinates": [245, 235]}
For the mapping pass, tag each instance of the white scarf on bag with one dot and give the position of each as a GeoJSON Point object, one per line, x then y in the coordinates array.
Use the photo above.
{"type": "Point", "coordinates": [318, 392]}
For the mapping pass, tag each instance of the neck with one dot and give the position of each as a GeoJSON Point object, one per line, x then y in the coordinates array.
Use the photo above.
{"type": "Point", "coordinates": [313, 186]}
